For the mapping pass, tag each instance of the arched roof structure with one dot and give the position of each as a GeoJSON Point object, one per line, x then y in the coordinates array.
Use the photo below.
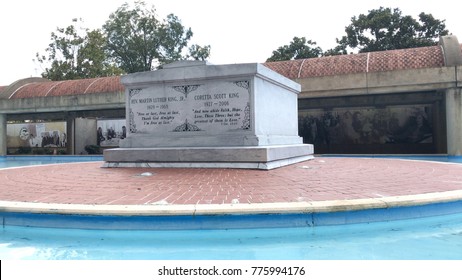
{"type": "Point", "coordinates": [427, 57]}
{"type": "Point", "coordinates": [64, 88]}
{"type": "Point", "coordinates": [381, 61]}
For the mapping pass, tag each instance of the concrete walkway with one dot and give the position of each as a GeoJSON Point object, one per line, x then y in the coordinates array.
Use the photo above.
{"type": "Point", "coordinates": [322, 184]}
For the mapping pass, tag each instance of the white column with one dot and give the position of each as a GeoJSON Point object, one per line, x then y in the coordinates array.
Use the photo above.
{"type": "Point", "coordinates": [454, 121]}
{"type": "Point", "coordinates": [3, 136]}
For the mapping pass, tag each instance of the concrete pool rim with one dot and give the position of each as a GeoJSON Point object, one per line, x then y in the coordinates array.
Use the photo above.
{"type": "Point", "coordinates": [234, 216]}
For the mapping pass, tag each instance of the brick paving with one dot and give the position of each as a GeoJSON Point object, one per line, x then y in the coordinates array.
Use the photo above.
{"type": "Point", "coordinates": [320, 179]}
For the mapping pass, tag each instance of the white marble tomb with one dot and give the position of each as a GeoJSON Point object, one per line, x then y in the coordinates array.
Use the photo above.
{"type": "Point", "coordinates": [192, 114]}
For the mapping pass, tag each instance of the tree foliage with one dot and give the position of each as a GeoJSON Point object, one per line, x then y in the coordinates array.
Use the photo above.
{"type": "Point", "coordinates": [173, 37]}
{"type": "Point", "coordinates": [76, 53]}
{"type": "Point", "coordinates": [381, 29]}
{"type": "Point", "coordinates": [62, 53]}
{"type": "Point", "coordinates": [132, 40]}
{"type": "Point", "coordinates": [139, 41]}
{"type": "Point", "coordinates": [387, 29]}
{"type": "Point", "coordinates": [297, 49]}
{"type": "Point", "coordinates": [197, 52]}
{"type": "Point", "coordinates": [132, 37]}
{"type": "Point", "coordinates": [93, 59]}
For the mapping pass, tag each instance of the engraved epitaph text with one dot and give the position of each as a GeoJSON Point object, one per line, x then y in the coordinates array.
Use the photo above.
{"type": "Point", "coordinates": [214, 107]}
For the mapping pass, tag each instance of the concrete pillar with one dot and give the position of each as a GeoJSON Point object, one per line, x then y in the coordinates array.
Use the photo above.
{"type": "Point", "coordinates": [454, 121]}
{"type": "Point", "coordinates": [85, 134]}
{"type": "Point", "coordinates": [439, 130]}
{"type": "Point", "coordinates": [70, 129]}
{"type": "Point", "coordinates": [3, 137]}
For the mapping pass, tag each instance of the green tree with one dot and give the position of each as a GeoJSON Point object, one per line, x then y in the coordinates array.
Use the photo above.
{"type": "Point", "coordinates": [338, 50]}
{"type": "Point", "coordinates": [60, 61]}
{"type": "Point", "coordinates": [93, 60]}
{"type": "Point", "coordinates": [197, 52]}
{"type": "Point", "coordinates": [387, 29]}
{"type": "Point", "coordinates": [76, 53]}
{"type": "Point", "coordinates": [297, 49]}
{"type": "Point", "coordinates": [173, 38]}
{"type": "Point", "coordinates": [139, 41]}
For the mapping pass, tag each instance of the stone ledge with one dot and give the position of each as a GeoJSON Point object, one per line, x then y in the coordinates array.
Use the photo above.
{"type": "Point", "coordinates": [261, 157]}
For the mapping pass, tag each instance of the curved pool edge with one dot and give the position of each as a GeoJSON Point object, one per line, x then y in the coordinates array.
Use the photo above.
{"type": "Point", "coordinates": [228, 209]}
{"type": "Point", "coordinates": [230, 216]}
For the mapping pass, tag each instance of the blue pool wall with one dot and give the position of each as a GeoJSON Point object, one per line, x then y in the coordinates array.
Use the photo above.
{"type": "Point", "coordinates": [231, 221]}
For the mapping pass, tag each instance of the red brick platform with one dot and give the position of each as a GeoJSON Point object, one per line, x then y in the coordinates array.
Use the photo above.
{"type": "Point", "coordinates": [320, 179]}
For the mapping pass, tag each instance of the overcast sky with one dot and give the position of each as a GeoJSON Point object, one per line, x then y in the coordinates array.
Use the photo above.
{"type": "Point", "coordinates": [238, 31]}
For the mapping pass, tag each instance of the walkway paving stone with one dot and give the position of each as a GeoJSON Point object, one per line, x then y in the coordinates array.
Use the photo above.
{"type": "Point", "coordinates": [320, 179]}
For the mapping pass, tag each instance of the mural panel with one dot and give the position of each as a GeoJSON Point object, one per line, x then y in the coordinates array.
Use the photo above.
{"type": "Point", "coordinates": [109, 132]}
{"type": "Point", "coordinates": [35, 135]}
{"type": "Point", "coordinates": [394, 124]}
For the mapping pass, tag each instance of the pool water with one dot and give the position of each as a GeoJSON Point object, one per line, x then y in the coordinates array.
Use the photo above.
{"type": "Point", "coordinates": [439, 158]}
{"type": "Point", "coordinates": [16, 161]}
{"type": "Point", "coordinates": [434, 238]}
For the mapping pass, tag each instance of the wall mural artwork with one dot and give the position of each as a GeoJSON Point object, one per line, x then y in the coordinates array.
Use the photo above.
{"type": "Point", "coordinates": [36, 135]}
{"type": "Point", "coordinates": [403, 125]}
{"type": "Point", "coordinates": [109, 132]}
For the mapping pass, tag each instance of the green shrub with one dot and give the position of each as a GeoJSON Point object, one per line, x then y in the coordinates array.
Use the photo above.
{"type": "Point", "coordinates": [24, 150]}
{"type": "Point", "coordinates": [38, 152]}
{"type": "Point", "coordinates": [93, 149]}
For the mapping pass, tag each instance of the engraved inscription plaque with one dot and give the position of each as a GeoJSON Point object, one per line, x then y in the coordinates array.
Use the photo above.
{"type": "Point", "coordinates": [214, 107]}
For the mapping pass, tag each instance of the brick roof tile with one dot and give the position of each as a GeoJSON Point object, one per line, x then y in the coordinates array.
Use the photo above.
{"type": "Point", "coordinates": [426, 57]}
{"type": "Point", "coordinates": [70, 87]}
{"type": "Point", "coordinates": [414, 58]}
